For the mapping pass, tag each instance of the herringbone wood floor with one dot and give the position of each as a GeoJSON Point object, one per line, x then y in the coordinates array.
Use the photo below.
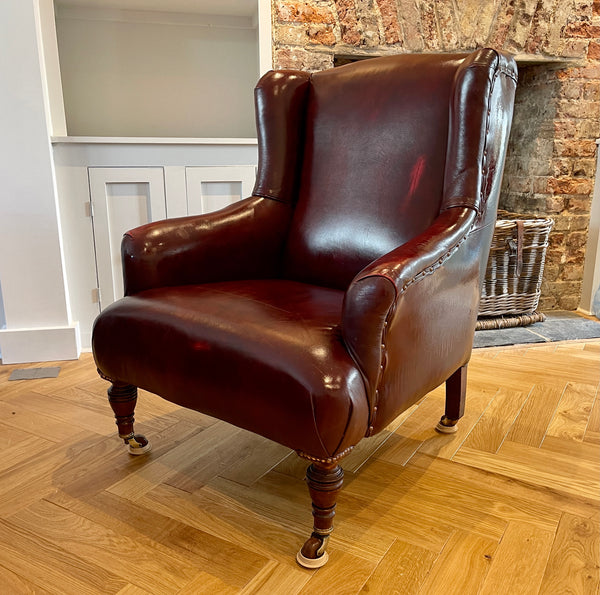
{"type": "Point", "coordinates": [508, 505]}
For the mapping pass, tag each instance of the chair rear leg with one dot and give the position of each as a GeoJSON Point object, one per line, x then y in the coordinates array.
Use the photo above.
{"type": "Point", "coordinates": [324, 484]}
{"type": "Point", "coordinates": [456, 390]}
{"type": "Point", "coordinates": [122, 399]}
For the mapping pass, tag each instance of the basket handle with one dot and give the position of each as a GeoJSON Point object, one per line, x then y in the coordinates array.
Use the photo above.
{"type": "Point", "coordinates": [517, 247]}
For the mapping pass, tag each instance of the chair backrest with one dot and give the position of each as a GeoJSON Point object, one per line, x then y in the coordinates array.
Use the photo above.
{"type": "Point", "coordinates": [373, 151]}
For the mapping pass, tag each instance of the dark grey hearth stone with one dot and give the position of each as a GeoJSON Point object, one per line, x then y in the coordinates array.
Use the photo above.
{"type": "Point", "coordinates": [559, 326]}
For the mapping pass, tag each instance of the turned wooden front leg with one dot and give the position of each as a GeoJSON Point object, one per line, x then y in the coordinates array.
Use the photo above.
{"type": "Point", "coordinates": [122, 399]}
{"type": "Point", "coordinates": [456, 391]}
{"type": "Point", "coordinates": [324, 484]}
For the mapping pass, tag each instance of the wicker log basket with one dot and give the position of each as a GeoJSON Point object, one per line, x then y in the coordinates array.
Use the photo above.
{"type": "Point", "coordinates": [513, 278]}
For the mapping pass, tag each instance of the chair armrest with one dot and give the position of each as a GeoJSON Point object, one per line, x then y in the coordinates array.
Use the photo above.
{"type": "Point", "coordinates": [409, 316]}
{"type": "Point", "coordinates": [239, 241]}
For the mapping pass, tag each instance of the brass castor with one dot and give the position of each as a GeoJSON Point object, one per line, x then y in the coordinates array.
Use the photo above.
{"type": "Point", "coordinates": [314, 548]}
{"type": "Point", "coordinates": [447, 426]}
{"type": "Point", "coordinates": [137, 444]}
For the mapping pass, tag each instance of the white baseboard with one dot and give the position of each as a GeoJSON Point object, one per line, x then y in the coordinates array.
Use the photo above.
{"type": "Point", "coordinates": [19, 346]}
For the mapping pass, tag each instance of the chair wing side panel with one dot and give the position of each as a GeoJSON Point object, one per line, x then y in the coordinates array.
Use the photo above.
{"type": "Point", "coordinates": [280, 101]}
{"type": "Point", "coordinates": [479, 125]}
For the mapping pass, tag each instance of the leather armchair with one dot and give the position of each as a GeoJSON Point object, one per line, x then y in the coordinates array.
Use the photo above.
{"type": "Point", "coordinates": [346, 287]}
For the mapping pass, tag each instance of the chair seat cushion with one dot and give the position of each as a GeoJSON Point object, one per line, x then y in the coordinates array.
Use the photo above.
{"type": "Point", "coordinates": [263, 355]}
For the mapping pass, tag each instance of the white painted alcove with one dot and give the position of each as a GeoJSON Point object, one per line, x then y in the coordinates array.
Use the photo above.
{"type": "Point", "coordinates": [41, 290]}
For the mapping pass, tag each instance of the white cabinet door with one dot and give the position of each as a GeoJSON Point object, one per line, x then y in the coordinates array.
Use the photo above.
{"type": "Point", "coordinates": [212, 188]}
{"type": "Point", "coordinates": [122, 198]}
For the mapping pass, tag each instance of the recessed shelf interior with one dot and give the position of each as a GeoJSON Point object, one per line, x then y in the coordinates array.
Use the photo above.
{"type": "Point", "coordinates": [186, 70]}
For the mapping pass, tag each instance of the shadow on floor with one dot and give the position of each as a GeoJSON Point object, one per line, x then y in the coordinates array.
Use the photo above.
{"type": "Point", "coordinates": [558, 326]}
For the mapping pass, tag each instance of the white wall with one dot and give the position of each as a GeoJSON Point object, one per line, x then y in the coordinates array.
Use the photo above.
{"type": "Point", "coordinates": [128, 73]}
{"type": "Point", "coordinates": [37, 310]}
{"type": "Point", "coordinates": [590, 292]}
{"type": "Point", "coordinates": [2, 317]}
{"type": "Point", "coordinates": [36, 305]}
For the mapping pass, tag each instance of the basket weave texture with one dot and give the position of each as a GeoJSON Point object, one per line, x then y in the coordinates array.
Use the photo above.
{"type": "Point", "coordinates": [515, 266]}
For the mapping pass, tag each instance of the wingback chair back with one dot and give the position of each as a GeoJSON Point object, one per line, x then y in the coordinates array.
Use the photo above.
{"type": "Point", "coordinates": [346, 287]}
{"type": "Point", "coordinates": [375, 144]}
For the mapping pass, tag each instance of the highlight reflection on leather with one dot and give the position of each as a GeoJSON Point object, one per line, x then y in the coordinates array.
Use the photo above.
{"type": "Point", "coordinates": [347, 286]}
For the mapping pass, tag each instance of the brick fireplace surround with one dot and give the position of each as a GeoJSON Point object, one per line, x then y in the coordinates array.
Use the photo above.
{"type": "Point", "coordinates": [551, 161]}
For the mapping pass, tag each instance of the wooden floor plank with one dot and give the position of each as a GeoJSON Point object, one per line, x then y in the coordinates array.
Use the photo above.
{"type": "Point", "coordinates": [574, 561]}
{"type": "Point", "coordinates": [51, 567]}
{"type": "Point", "coordinates": [462, 566]}
{"type": "Point", "coordinates": [287, 504]}
{"type": "Point", "coordinates": [10, 437]}
{"type": "Point", "coordinates": [15, 415]}
{"type": "Point", "coordinates": [215, 513]}
{"type": "Point", "coordinates": [70, 413]}
{"type": "Point", "coordinates": [409, 437]}
{"type": "Point", "coordinates": [524, 498]}
{"type": "Point", "coordinates": [519, 562]}
{"type": "Point", "coordinates": [402, 571]}
{"type": "Point", "coordinates": [207, 584]}
{"type": "Point", "coordinates": [496, 421]}
{"type": "Point", "coordinates": [446, 445]}
{"type": "Point", "coordinates": [594, 347]}
{"type": "Point", "coordinates": [106, 461]}
{"type": "Point", "coordinates": [231, 562]}
{"type": "Point", "coordinates": [344, 574]}
{"type": "Point", "coordinates": [252, 457]}
{"type": "Point", "coordinates": [365, 449]}
{"type": "Point", "coordinates": [295, 466]}
{"type": "Point", "coordinates": [154, 568]}
{"type": "Point", "coordinates": [200, 451]}
{"type": "Point", "coordinates": [474, 502]}
{"type": "Point", "coordinates": [542, 469]}
{"type": "Point", "coordinates": [16, 452]}
{"type": "Point", "coordinates": [131, 590]}
{"type": "Point", "coordinates": [278, 578]}
{"type": "Point", "coordinates": [581, 451]}
{"type": "Point", "coordinates": [573, 412]}
{"type": "Point", "coordinates": [592, 432]}
{"type": "Point", "coordinates": [531, 425]}
{"type": "Point", "coordinates": [14, 584]}
{"type": "Point", "coordinates": [33, 478]}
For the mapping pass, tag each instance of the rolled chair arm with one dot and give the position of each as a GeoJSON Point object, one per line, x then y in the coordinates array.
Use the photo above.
{"type": "Point", "coordinates": [398, 306]}
{"type": "Point", "coordinates": [237, 242]}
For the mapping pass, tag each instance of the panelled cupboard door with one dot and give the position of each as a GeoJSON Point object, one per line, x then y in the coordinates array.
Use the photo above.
{"type": "Point", "coordinates": [212, 188]}
{"type": "Point", "coordinates": [122, 198]}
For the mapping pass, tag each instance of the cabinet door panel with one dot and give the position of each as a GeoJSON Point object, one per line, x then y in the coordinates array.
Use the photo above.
{"type": "Point", "coordinates": [212, 188]}
{"type": "Point", "coordinates": [122, 198]}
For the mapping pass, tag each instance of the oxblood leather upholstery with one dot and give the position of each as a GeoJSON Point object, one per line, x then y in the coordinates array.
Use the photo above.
{"type": "Point", "coordinates": [265, 355]}
{"type": "Point", "coordinates": [347, 286]}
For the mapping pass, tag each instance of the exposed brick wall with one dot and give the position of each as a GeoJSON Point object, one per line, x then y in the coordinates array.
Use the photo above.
{"type": "Point", "coordinates": [551, 163]}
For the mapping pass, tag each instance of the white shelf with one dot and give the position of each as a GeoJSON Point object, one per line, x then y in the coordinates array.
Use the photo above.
{"type": "Point", "coordinates": [143, 140]}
